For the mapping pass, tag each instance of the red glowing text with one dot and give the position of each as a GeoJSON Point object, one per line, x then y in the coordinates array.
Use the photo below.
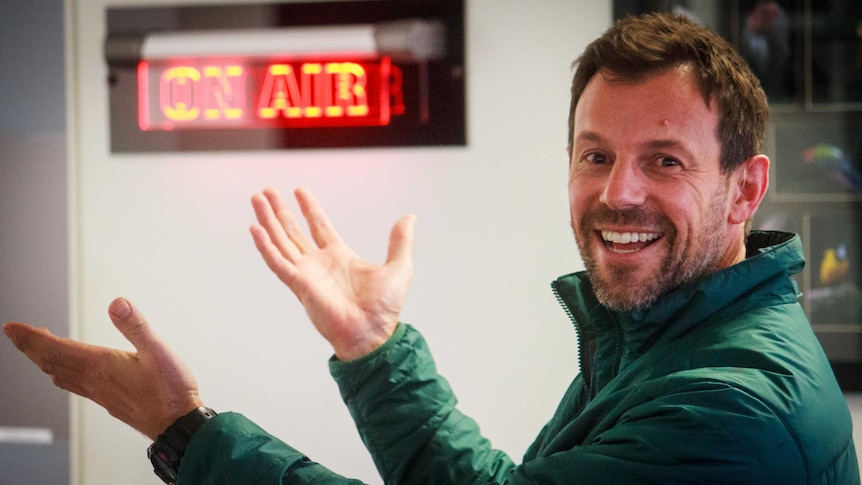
{"type": "Point", "coordinates": [261, 93]}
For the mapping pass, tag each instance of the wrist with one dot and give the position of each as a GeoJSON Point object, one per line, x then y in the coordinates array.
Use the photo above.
{"type": "Point", "coordinates": [172, 413]}
{"type": "Point", "coordinates": [363, 345]}
{"type": "Point", "coordinates": [168, 449]}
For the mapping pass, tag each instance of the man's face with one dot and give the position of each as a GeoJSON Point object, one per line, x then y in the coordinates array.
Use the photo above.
{"type": "Point", "coordinates": [649, 204]}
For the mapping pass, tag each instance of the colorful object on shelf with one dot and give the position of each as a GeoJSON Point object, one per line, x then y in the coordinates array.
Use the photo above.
{"type": "Point", "coordinates": [834, 266]}
{"type": "Point", "coordinates": [833, 161]}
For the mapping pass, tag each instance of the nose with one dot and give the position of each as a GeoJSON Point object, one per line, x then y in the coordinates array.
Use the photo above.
{"type": "Point", "coordinates": [625, 186]}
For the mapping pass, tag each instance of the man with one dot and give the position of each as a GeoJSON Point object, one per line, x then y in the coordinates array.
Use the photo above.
{"type": "Point", "coordinates": [697, 362]}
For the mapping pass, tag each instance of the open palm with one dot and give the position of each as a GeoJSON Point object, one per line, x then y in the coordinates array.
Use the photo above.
{"type": "Point", "coordinates": [354, 304]}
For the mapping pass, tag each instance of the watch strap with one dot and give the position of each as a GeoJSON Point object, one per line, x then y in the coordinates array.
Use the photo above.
{"type": "Point", "coordinates": [167, 451]}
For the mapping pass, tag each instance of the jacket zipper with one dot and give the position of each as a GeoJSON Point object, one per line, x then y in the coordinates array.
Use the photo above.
{"type": "Point", "coordinates": [577, 332]}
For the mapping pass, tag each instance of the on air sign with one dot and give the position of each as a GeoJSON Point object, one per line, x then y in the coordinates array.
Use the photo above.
{"type": "Point", "coordinates": [265, 92]}
{"type": "Point", "coordinates": [285, 74]}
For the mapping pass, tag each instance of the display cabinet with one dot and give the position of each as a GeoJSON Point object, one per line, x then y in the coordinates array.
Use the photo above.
{"type": "Point", "coordinates": [808, 57]}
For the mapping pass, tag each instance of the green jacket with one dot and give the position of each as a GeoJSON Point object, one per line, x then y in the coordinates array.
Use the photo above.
{"type": "Point", "coordinates": [722, 381]}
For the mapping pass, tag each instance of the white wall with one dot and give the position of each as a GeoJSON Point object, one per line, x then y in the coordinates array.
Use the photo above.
{"type": "Point", "coordinates": [170, 233]}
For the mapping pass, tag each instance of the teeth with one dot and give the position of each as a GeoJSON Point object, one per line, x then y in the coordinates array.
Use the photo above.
{"type": "Point", "coordinates": [628, 237]}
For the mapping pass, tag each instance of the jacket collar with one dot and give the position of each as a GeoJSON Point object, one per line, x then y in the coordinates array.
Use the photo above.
{"type": "Point", "coordinates": [770, 254]}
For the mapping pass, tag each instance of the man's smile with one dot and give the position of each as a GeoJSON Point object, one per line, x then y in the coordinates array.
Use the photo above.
{"type": "Point", "coordinates": [628, 242]}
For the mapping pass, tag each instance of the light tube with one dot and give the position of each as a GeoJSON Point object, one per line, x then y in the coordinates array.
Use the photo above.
{"type": "Point", "coordinates": [410, 39]}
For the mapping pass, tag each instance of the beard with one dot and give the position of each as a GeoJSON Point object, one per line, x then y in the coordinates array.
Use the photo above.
{"type": "Point", "coordinates": [685, 261]}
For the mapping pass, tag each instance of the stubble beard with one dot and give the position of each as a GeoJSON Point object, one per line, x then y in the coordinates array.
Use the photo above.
{"type": "Point", "coordinates": [683, 263]}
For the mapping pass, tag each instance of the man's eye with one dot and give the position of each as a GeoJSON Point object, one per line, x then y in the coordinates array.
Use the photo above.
{"type": "Point", "coordinates": [596, 158]}
{"type": "Point", "coordinates": [668, 162]}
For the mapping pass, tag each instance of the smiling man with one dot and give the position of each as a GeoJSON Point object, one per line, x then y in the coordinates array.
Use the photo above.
{"type": "Point", "coordinates": [697, 363]}
{"type": "Point", "coordinates": [665, 166]}
{"type": "Point", "coordinates": [651, 208]}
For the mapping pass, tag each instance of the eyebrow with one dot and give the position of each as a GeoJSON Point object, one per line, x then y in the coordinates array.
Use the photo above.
{"type": "Point", "coordinates": [659, 144]}
{"type": "Point", "coordinates": [590, 136]}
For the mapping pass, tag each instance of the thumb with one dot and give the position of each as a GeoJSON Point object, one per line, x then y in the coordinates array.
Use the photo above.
{"type": "Point", "coordinates": [401, 242]}
{"type": "Point", "coordinates": [132, 324]}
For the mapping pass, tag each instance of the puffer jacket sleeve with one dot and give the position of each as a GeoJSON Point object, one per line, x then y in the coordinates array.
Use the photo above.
{"type": "Point", "coordinates": [231, 450]}
{"type": "Point", "coordinates": [416, 435]}
{"type": "Point", "coordinates": [406, 415]}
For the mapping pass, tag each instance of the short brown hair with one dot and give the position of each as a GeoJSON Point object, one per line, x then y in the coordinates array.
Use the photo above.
{"type": "Point", "coordinates": [637, 47]}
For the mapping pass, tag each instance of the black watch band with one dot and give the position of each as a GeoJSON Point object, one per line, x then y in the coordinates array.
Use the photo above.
{"type": "Point", "coordinates": [167, 451]}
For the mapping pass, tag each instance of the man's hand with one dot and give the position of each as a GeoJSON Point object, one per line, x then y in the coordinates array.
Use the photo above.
{"type": "Point", "coordinates": [355, 305]}
{"type": "Point", "coordinates": [148, 389]}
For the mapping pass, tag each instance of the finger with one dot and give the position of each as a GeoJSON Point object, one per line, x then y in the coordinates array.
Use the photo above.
{"type": "Point", "coordinates": [60, 358]}
{"type": "Point", "coordinates": [287, 221]}
{"type": "Point", "coordinates": [401, 243]}
{"type": "Point", "coordinates": [274, 228]}
{"type": "Point", "coordinates": [132, 324]}
{"type": "Point", "coordinates": [272, 256]}
{"type": "Point", "coordinates": [85, 370]}
{"type": "Point", "coordinates": [318, 223]}
{"type": "Point", "coordinates": [29, 340]}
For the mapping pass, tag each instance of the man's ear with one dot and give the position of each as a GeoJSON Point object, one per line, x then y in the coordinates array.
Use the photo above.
{"type": "Point", "coordinates": [748, 186]}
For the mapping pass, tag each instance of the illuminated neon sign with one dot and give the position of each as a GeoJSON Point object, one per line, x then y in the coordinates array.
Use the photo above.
{"type": "Point", "coordinates": [267, 93]}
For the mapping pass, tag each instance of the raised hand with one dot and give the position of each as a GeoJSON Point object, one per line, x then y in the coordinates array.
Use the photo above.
{"type": "Point", "coordinates": [354, 304]}
{"type": "Point", "coordinates": [147, 389]}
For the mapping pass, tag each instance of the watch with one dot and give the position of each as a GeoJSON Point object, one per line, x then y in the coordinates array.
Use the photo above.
{"type": "Point", "coordinates": [167, 451]}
